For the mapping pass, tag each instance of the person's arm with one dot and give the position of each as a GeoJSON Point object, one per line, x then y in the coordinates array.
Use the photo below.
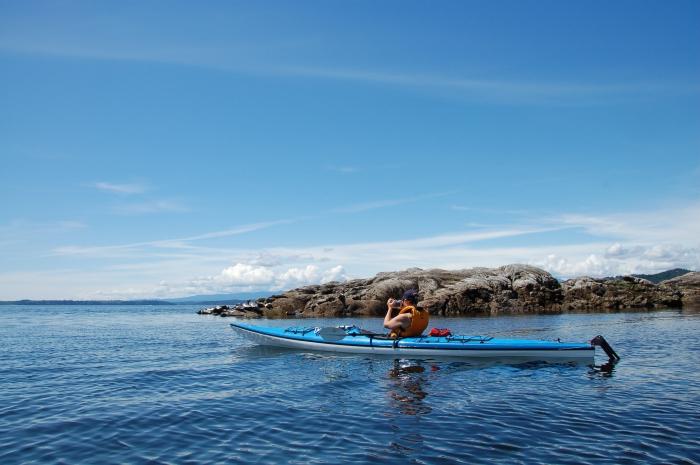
{"type": "Point", "coordinates": [389, 308]}
{"type": "Point", "coordinates": [402, 320]}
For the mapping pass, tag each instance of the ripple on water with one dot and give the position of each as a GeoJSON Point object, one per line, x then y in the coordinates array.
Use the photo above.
{"type": "Point", "coordinates": [143, 385]}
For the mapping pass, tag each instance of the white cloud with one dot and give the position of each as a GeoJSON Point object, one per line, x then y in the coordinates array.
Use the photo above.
{"type": "Point", "coordinates": [296, 276]}
{"type": "Point", "coordinates": [616, 250]}
{"type": "Point", "coordinates": [650, 241]}
{"type": "Point", "coordinates": [19, 232]}
{"type": "Point", "coordinates": [23, 226]}
{"type": "Point", "coordinates": [154, 206]}
{"type": "Point", "coordinates": [120, 188]}
{"type": "Point", "coordinates": [139, 249]}
{"type": "Point", "coordinates": [620, 260]}
{"type": "Point", "coordinates": [675, 224]}
{"type": "Point", "coordinates": [360, 207]}
{"type": "Point", "coordinates": [337, 273]}
{"type": "Point", "coordinates": [246, 277]}
{"type": "Point", "coordinates": [344, 169]}
{"type": "Point", "coordinates": [592, 265]}
{"type": "Point", "coordinates": [495, 90]}
{"type": "Point", "coordinates": [242, 274]}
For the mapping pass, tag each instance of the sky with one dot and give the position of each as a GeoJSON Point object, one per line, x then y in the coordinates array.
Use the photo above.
{"type": "Point", "coordinates": [165, 149]}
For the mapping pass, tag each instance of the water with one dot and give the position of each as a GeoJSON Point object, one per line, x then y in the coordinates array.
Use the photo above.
{"type": "Point", "coordinates": [132, 385]}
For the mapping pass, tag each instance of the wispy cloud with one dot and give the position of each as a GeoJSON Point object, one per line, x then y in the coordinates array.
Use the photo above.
{"type": "Point", "coordinates": [676, 223]}
{"type": "Point", "coordinates": [609, 244]}
{"type": "Point", "coordinates": [490, 89]}
{"type": "Point", "coordinates": [237, 230]}
{"type": "Point", "coordinates": [120, 188]}
{"type": "Point", "coordinates": [19, 227]}
{"type": "Point", "coordinates": [154, 206]}
{"type": "Point", "coordinates": [533, 90]}
{"type": "Point", "coordinates": [344, 169]}
{"type": "Point", "coordinates": [465, 208]}
{"type": "Point", "coordinates": [174, 243]}
{"type": "Point", "coordinates": [373, 205]}
{"type": "Point", "coordinates": [142, 206]}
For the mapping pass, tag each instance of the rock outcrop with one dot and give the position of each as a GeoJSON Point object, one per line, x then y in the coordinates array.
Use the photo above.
{"type": "Point", "coordinates": [477, 291]}
{"type": "Point", "coordinates": [688, 285]}
{"type": "Point", "coordinates": [588, 294]}
{"type": "Point", "coordinates": [246, 310]}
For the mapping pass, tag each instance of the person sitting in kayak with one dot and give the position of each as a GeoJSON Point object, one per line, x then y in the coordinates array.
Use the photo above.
{"type": "Point", "coordinates": [410, 320]}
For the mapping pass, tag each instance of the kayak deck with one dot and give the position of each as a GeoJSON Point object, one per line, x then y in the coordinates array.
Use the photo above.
{"type": "Point", "coordinates": [350, 339]}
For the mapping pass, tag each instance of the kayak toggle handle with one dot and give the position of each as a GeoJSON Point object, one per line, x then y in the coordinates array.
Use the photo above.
{"type": "Point", "coordinates": [607, 348]}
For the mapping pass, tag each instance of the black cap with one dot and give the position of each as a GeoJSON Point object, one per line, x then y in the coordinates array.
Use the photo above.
{"type": "Point", "coordinates": [411, 295]}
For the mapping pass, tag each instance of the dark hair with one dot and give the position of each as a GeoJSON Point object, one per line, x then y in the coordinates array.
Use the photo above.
{"type": "Point", "coordinates": [411, 295]}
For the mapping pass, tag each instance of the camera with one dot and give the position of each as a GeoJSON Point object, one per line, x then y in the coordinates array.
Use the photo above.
{"type": "Point", "coordinates": [397, 304]}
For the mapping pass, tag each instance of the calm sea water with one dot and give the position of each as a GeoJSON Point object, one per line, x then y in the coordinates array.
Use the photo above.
{"type": "Point", "coordinates": [132, 385]}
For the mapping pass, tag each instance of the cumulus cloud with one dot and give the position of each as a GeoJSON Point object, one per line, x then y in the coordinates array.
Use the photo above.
{"type": "Point", "coordinates": [615, 250]}
{"type": "Point", "coordinates": [337, 273]}
{"type": "Point", "coordinates": [592, 265]}
{"type": "Point", "coordinates": [248, 277]}
{"type": "Point", "coordinates": [310, 274]}
{"type": "Point", "coordinates": [242, 274]}
{"type": "Point", "coordinates": [620, 260]}
{"type": "Point", "coordinates": [604, 245]}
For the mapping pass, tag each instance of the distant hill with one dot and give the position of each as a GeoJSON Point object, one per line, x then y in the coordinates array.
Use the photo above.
{"type": "Point", "coordinates": [213, 299]}
{"type": "Point", "coordinates": [663, 276]}
{"type": "Point", "coordinates": [658, 277]}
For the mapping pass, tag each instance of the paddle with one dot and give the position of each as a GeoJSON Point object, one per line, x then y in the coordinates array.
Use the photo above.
{"type": "Point", "coordinates": [334, 333]}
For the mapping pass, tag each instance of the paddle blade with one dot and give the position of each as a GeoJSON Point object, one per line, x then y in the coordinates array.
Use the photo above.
{"type": "Point", "coordinates": [336, 333]}
{"type": "Point", "coordinates": [332, 333]}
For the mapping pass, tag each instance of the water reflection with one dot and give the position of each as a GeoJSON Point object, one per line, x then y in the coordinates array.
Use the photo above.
{"type": "Point", "coordinates": [407, 382]}
{"type": "Point", "coordinates": [605, 370]}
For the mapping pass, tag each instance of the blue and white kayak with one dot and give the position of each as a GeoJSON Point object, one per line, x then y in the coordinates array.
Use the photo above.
{"type": "Point", "coordinates": [353, 340]}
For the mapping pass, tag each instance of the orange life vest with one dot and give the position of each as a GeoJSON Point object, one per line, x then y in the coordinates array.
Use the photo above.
{"type": "Point", "coordinates": [419, 321]}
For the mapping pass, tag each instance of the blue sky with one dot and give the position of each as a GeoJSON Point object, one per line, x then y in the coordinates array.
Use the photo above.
{"type": "Point", "coordinates": [161, 149]}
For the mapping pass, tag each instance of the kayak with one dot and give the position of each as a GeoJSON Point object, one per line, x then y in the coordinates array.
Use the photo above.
{"type": "Point", "coordinates": [354, 340]}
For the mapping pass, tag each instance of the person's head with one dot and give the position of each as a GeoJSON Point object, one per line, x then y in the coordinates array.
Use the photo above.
{"type": "Point", "coordinates": [410, 297]}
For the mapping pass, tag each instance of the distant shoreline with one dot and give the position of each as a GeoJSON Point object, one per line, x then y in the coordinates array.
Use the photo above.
{"type": "Point", "coordinates": [86, 302]}
{"type": "Point", "coordinates": [117, 302]}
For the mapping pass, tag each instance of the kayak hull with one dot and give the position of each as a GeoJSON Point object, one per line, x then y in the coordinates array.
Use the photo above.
{"type": "Point", "coordinates": [308, 339]}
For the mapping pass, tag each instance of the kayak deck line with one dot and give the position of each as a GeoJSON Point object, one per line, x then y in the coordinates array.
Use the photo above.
{"type": "Point", "coordinates": [413, 340]}
{"type": "Point", "coordinates": [351, 339]}
{"type": "Point", "coordinates": [353, 331]}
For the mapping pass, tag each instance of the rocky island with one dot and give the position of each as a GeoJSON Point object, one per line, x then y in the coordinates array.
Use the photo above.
{"type": "Point", "coordinates": [508, 289]}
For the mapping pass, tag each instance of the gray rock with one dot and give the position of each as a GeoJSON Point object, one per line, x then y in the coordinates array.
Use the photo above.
{"type": "Point", "coordinates": [477, 291]}
{"type": "Point", "coordinates": [509, 289]}
{"type": "Point", "coordinates": [589, 294]}
{"type": "Point", "coordinates": [688, 285]}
